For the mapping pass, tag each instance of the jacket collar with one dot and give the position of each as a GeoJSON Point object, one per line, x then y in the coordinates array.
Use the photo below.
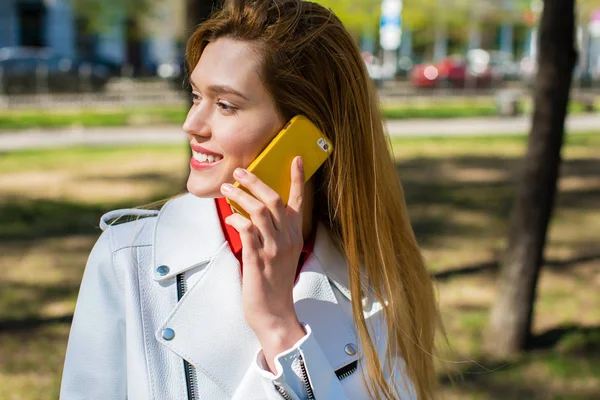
{"type": "Point", "coordinates": [187, 234]}
{"type": "Point", "coordinates": [191, 225]}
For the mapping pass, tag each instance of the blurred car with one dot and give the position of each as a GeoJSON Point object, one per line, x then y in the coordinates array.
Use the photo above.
{"type": "Point", "coordinates": [406, 64]}
{"type": "Point", "coordinates": [375, 69]}
{"type": "Point", "coordinates": [528, 69]}
{"type": "Point", "coordinates": [26, 70]}
{"type": "Point", "coordinates": [504, 67]}
{"type": "Point", "coordinates": [451, 72]}
{"type": "Point", "coordinates": [169, 70]}
{"type": "Point", "coordinates": [582, 78]}
{"type": "Point", "coordinates": [174, 71]}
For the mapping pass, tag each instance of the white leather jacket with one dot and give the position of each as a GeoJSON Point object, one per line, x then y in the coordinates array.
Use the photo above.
{"type": "Point", "coordinates": [159, 316]}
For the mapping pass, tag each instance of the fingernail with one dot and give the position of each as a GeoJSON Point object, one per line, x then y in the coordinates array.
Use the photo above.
{"type": "Point", "coordinates": [240, 173]}
{"type": "Point", "coordinates": [226, 188]}
{"type": "Point", "coordinates": [300, 163]}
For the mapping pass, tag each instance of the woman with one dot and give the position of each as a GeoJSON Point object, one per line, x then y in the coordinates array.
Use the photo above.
{"type": "Point", "coordinates": [324, 298]}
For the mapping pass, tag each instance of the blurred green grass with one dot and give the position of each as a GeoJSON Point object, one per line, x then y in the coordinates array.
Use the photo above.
{"type": "Point", "coordinates": [458, 190]}
{"type": "Point", "coordinates": [434, 108]}
{"type": "Point", "coordinates": [28, 119]}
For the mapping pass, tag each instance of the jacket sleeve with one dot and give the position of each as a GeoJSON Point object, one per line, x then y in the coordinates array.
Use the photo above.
{"type": "Point", "coordinates": [303, 373]}
{"type": "Point", "coordinates": [95, 361]}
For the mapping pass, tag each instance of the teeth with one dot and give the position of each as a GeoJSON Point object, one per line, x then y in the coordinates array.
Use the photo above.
{"type": "Point", "coordinates": [205, 157]}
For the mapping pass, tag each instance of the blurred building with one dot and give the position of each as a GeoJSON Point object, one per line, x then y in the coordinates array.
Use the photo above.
{"type": "Point", "coordinates": [53, 24]}
{"type": "Point", "coordinates": [32, 23]}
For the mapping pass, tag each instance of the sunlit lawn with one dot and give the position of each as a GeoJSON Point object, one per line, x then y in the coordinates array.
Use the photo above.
{"type": "Point", "coordinates": [459, 192]}
{"type": "Point", "coordinates": [169, 114]}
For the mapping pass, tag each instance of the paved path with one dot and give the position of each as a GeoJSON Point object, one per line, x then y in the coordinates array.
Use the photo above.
{"type": "Point", "coordinates": [173, 134]}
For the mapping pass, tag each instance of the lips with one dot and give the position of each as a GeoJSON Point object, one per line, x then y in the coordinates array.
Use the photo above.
{"type": "Point", "coordinates": [201, 150]}
{"type": "Point", "coordinates": [203, 158]}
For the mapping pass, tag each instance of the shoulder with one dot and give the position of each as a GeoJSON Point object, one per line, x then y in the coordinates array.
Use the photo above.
{"type": "Point", "coordinates": [128, 227]}
{"type": "Point", "coordinates": [132, 227]}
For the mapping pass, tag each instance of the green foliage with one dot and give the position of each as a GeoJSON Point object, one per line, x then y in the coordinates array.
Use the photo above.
{"type": "Point", "coordinates": [586, 7]}
{"type": "Point", "coordinates": [358, 16]}
{"type": "Point", "coordinates": [101, 15]}
{"type": "Point", "coordinates": [422, 16]}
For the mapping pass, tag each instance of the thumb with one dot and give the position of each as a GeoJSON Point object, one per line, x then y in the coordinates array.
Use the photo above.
{"type": "Point", "coordinates": [296, 199]}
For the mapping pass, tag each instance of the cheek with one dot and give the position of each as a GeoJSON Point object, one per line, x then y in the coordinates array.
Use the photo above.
{"type": "Point", "coordinates": [245, 144]}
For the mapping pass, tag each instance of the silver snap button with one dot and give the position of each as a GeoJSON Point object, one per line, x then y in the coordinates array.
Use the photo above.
{"type": "Point", "coordinates": [162, 270]}
{"type": "Point", "coordinates": [350, 349]}
{"type": "Point", "coordinates": [168, 334]}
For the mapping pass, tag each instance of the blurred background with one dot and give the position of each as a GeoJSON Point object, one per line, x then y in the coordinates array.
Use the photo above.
{"type": "Point", "coordinates": [92, 98]}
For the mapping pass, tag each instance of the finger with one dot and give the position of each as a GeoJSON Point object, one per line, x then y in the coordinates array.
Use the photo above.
{"type": "Point", "coordinates": [296, 200]}
{"type": "Point", "coordinates": [259, 212]}
{"type": "Point", "coordinates": [265, 194]}
{"type": "Point", "coordinates": [249, 234]}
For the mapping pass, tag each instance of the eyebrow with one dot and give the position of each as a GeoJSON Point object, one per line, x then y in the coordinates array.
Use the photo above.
{"type": "Point", "coordinates": [223, 89]}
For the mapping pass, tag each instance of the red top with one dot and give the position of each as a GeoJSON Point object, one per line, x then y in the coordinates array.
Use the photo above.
{"type": "Point", "coordinates": [235, 243]}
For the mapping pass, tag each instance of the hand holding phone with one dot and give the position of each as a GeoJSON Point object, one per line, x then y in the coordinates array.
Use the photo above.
{"type": "Point", "coordinates": [300, 137]}
{"type": "Point", "coordinates": [272, 236]}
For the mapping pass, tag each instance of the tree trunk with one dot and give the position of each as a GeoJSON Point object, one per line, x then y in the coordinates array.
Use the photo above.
{"type": "Point", "coordinates": [197, 11]}
{"type": "Point", "coordinates": [512, 313]}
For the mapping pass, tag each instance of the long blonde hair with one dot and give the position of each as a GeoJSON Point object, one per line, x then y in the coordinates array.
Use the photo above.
{"type": "Point", "coordinates": [312, 66]}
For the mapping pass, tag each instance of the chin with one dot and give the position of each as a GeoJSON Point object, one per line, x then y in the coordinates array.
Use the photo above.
{"type": "Point", "coordinates": [201, 188]}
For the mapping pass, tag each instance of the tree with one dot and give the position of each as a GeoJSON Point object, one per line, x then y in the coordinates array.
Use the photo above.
{"type": "Point", "coordinates": [197, 11]}
{"type": "Point", "coordinates": [135, 17]}
{"type": "Point", "coordinates": [101, 14]}
{"type": "Point", "coordinates": [512, 313]}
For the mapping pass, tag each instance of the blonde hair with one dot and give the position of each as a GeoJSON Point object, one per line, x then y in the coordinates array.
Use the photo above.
{"type": "Point", "coordinates": [312, 66]}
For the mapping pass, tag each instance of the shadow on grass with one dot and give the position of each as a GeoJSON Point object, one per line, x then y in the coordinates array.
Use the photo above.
{"type": "Point", "coordinates": [26, 219]}
{"type": "Point", "coordinates": [15, 325]}
{"type": "Point", "coordinates": [562, 355]}
{"type": "Point", "coordinates": [572, 339]}
{"type": "Point", "coordinates": [485, 185]}
{"type": "Point", "coordinates": [493, 267]}
{"type": "Point", "coordinates": [138, 178]}
{"type": "Point", "coordinates": [30, 219]}
{"type": "Point", "coordinates": [21, 304]}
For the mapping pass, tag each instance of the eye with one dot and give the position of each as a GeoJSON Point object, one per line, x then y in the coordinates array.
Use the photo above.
{"type": "Point", "coordinates": [226, 108]}
{"type": "Point", "coordinates": [195, 97]}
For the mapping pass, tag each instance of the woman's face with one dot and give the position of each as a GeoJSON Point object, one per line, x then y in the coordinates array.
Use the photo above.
{"type": "Point", "coordinates": [233, 117]}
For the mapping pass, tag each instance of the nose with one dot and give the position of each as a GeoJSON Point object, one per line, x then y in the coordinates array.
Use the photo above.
{"type": "Point", "coordinates": [197, 122]}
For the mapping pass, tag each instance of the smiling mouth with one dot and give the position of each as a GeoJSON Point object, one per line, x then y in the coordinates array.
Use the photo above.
{"type": "Point", "coordinates": [205, 158]}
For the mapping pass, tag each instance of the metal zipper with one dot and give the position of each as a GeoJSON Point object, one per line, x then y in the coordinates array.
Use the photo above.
{"type": "Point", "coordinates": [346, 371]}
{"type": "Point", "coordinates": [190, 372]}
{"type": "Point", "coordinates": [282, 392]}
{"type": "Point", "coordinates": [341, 374]}
{"type": "Point", "coordinates": [304, 377]}
{"type": "Point", "coordinates": [309, 390]}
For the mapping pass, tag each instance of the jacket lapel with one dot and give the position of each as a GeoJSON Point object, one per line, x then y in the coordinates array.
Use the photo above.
{"type": "Point", "coordinates": [187, 234]}
{"type": "Point", "coordinates": [210, 330]}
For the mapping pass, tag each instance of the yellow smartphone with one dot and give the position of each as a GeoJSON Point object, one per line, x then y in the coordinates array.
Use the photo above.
{"type": "Point", "coordinates": [299, 137]}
